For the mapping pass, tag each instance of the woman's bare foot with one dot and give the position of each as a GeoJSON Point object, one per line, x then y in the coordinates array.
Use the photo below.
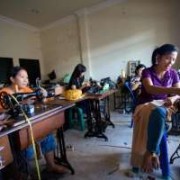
{"type": "Point", "coordinates": [155, 162]}
{"type": "Point", "coordinates": [151, 161]}
{"type": "Point", "coordinates": [55, 168]}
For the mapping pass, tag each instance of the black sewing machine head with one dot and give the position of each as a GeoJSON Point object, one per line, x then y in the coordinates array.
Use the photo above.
{"type": "Point", "coordinates": [107, 80]}
{"type": "Point", "coordinates": [13, 104]}
{"type": "Point", "coordinates": [94, 87]}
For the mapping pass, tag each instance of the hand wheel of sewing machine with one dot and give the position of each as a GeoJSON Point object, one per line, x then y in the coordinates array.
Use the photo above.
{"type": "Point", "coordinates": [5, 100]}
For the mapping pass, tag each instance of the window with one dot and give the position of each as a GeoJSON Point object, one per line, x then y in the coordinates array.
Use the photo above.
{"type": "Point", "coordinates": [6, 65]}
{"type": "Point", "coordinates": [33, 68]}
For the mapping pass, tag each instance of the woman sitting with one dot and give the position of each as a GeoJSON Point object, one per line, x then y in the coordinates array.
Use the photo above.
{"type": "Point", "coordinates": [149, 136]}
{"type": "Point", "coordinates": [19, 84]}
{"type": "Point", "coordinates": [136, 80]}
{"type": "Point", "coordinates": [77, 78]}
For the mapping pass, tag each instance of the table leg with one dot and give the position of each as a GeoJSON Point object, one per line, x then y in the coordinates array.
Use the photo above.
{"type": "Point", "coordinates": [90, 124]}
{"type": "Point", "coordinates": [20, 164]}
{"type": "Point", "coordinates": [107, 113]}
{"type": "Point", "coordinates": [96, 131]}
{"type": "Point", "coordinates": [62, 159]}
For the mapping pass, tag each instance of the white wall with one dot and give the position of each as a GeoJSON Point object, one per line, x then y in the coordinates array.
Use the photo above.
{"type": "Point", "coordinates": [129, 31]}
{"type": "Point", "coordinates": [60, 47]}
{"type": "Point", "coordinates": [19, 42]}
{"type": "Point", "coordinates": [103, 37]}
{"type": "Point", "coordinates": [106, 39]}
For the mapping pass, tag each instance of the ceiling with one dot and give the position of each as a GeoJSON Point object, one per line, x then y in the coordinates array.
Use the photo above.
{"type": "Point", "coordinates": [40, 13]}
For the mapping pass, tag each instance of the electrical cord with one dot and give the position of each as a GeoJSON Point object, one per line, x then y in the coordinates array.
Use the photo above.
{"type": "Point", "coordinates": [32, 138]}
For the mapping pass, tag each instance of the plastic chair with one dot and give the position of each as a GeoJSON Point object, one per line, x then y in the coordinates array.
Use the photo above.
{"type": "Point", "coordinates": [72, 118]}
{"type": "Point", "coordinates": [175, 130]}
{"type": "Point", "coordinates": [130, 94]}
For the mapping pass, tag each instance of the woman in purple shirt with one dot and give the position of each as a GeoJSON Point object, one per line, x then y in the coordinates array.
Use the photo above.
{"type": "Point", "coordinates": [159, 82]}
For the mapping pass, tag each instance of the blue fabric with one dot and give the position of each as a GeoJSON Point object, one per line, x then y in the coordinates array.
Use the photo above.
{"type": "Point", "coordinates": [28, 153]}
{"type": "Point", "coordinates": [164, 161]}
{"type": "Point", "coordinates": [156, 129]}
{"type": "Point", "coordinates": [47, 144]}
{"type": "Point", "coordinates": [157, 141]}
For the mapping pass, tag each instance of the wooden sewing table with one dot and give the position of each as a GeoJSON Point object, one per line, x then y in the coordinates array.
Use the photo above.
{"type": "Point", "coordinates": [46, 119]}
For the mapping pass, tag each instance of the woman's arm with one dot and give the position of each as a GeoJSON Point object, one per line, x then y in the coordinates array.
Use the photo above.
{"type": "Point", "coordinates": [84, 85]}
{"type": "Point", "coordinates": [151, 89]}
{"type": "Point", "coordinates": [135, 85]}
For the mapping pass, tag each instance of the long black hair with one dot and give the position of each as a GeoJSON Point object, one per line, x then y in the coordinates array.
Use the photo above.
{"type": "Point", "coordinates": [13, 73]}
{"type": "Point", "coordinates": [78, 70]}
{"type": "Point", "coordinates": [163, 50]}
{"type": "Point", "coordinates": [139, 67]}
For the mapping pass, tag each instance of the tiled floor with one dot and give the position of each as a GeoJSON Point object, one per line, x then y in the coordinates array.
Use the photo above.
{"type": "Point", "coordinates": [96, 159]}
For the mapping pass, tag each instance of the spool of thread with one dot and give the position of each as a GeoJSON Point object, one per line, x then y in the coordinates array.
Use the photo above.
{"type": "Point", "coordinates": [123, 74]}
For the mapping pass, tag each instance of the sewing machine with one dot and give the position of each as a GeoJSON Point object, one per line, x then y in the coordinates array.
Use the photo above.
{"type": "Point", "coordinates": [17, 102]}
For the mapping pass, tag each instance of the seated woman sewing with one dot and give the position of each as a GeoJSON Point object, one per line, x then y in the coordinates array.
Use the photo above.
{"type": "Point", "coordinates": [77, 78]}
{"type": "Point", "coordinates": [19, 84]}
{"type": "Point", "coordinates": [76, 83]}
{"type": "Point", "coordinates": [149, 146]}
{"type": "Point", "coordinates": [136, 80]}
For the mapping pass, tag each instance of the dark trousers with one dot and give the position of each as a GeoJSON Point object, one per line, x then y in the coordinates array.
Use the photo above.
{"type": "Point", "coordinates": [157, 137]}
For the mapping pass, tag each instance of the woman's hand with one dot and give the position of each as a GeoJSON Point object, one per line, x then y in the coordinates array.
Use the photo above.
{"type": "Point", "coordinates": [44, 92]}
{"type": "Point", "coordinates": [135, 85]}
{"type": "Point", "coordinates": [86, 84]}
{"type": "Point", "coordinates": [30, 100]}
{"type": "Point", "coordinates": [171, 106]}
{"type": "Point", "coordinates": [168, 102]}
{"type": "Point", "coordinates": [3, 116]}
{"type": "Point", "coordinates": [73, 87]}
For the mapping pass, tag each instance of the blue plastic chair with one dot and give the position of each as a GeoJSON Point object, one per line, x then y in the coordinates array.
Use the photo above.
{"type": "Point", "coordinates": [130, 93]}
{"type": "Point", "coordinates": [80, 117]}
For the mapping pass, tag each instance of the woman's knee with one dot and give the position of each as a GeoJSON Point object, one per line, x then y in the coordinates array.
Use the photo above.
{"type": "Point", "coordinates": [48, 144]}
{"type": "Point", "coordinates": [157, 118]}
{"type": "Point", "coordinates": [159, 114]}
{"type": "Point", "coordinates": [160, 111]}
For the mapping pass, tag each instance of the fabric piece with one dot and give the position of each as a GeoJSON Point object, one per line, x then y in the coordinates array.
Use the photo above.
{"type": "Point", "coordinates": [139, 141]}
